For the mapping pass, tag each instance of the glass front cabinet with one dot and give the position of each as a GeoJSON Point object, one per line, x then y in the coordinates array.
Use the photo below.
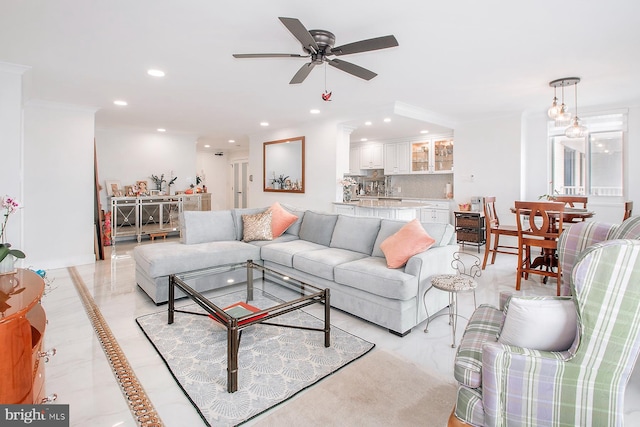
{"type": "Point", "coordinates": [435, 156]}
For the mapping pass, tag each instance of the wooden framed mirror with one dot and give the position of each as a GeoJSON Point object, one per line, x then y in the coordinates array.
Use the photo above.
{"type": "Point", "coordinates": [283, 165]}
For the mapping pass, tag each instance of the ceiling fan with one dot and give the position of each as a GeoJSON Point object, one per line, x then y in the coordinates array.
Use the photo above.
{"type": "Point", "coordinates": [318, 45]}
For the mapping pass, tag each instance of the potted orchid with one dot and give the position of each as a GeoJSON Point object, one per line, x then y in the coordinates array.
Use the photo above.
{"type": "Point", "coordinates": [8, 255]}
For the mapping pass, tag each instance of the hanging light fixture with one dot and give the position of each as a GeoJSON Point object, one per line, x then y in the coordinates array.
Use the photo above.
{"type": "Point", "coordinates": [563, 116]}
{"type": "Point", "coordinates": [576, 130]}
{"type": "Point", "coordinates": [554, 110]}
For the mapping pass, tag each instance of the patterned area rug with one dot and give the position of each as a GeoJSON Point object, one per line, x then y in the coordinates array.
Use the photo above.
{"type": "Point", "coordinates": [274, 362]}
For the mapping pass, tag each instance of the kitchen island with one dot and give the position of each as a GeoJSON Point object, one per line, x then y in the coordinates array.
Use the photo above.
{"type": "Point", "coordinates": [381, 208]}
{"type": "Point", "coordinates": [426, 210]}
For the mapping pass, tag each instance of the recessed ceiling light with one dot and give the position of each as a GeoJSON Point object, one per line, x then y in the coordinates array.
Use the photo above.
{"type": "Point", "coordinates": [161, 130]}
{"type": "Point", "coordinates": [156, 73]}
{"type": "Point", "coordinates": [264, 123]}
{"type": "Point", "coordinates": [314, 111]}
{"type": "Point", "coordinates": [120, 102]}
{"type": "Point", "coordinates": [207, 146]}
{"type": "Point", "coordinates": [424, 131]}
{"type": "Point", "coordinates": [363, 139]}
{"type": "Point", "coordinates": [367, 123]}
{"type": "Point", "coordinates": [387, 120]}
{"type": "Point", "coordinates": [231, 141]}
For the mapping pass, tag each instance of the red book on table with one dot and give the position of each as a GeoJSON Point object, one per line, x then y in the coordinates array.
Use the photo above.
{"type": "Point", "coordinates": [240, 309]}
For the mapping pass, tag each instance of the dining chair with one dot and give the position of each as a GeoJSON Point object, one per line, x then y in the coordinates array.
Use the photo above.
{"type": "Point", "coordinates": [628, 208]}
{"type": "Point", "coordinates": [494, 231]}
{"type": "Point", "coordinates": [579, 202]}
{"type": "Point", "coordinates": [539, 226]}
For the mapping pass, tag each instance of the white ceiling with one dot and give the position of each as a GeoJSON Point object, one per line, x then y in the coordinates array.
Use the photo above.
{"type": "Point", "coordinates": [456, 61]}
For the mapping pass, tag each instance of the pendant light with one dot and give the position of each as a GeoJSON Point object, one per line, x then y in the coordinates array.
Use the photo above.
{"type": "Point", "coordinates": [554, 110]}
{"type": "Point", "coordinates": [576, 130]}
{"type": "Point", "coordinates": [563, 116]}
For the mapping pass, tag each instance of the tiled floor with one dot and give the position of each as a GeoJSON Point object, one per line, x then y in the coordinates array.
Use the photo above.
{"type": "Point", "coordinates": [81, 376]}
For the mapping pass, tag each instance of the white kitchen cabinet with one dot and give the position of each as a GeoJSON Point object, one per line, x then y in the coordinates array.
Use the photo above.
{"type": "Point", "coordinates": [372, 156]}
{"type": "Point", "coordinates": [433, 156]}
{"type": "Point", "coordinates": [344, 209]}
{"type": "Point", "coordinates": [436, 212]}
{"type": "Point", "coordinates": [354, 160]}
{"type": "Point", "coordinates": [397, 158]}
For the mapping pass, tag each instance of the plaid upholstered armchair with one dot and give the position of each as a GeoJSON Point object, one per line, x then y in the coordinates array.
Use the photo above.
{"type": "Point", "coordinates": [505, 384]}
{"type": "Point", "coordinates": [578, 237]}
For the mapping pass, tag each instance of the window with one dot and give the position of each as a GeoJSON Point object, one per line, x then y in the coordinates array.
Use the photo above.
{"type": "Point", "coordinates": [591, 166]}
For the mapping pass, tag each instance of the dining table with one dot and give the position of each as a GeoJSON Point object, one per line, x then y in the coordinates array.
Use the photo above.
{"type": "Point", "coordinates": [569, 215]}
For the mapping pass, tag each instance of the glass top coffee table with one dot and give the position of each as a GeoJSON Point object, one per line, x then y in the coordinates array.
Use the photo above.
{"type": "Point", "coordinates": [237, 307]}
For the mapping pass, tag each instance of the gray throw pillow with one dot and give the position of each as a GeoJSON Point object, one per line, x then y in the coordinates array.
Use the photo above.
{"type": "Point", "coordinates": [206, 226]}
{"type": "Point", "coordinates": [355, 233]}
{"type": "Point", "coordinates": [318, 227]}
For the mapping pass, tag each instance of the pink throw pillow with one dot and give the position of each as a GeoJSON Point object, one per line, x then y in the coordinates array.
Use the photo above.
{"type": "Point", "coordinates": [281, 219]}
{"type": "Point", "coordinates": [410, 240]}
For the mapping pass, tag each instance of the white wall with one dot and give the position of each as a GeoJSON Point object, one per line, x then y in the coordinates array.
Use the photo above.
{"type": "Point", "coordinates": [321, 167]}
{"type": "Point", "coordinates": [58, 185]}
{"type": "Point", "coordinates": [130, 156]}
{"type": "Point", "coordinates": [11, 144]}
{"type": "Point", "coordinates": [217, 174]}
{"type": "Point", "coordinates": [490, 152]}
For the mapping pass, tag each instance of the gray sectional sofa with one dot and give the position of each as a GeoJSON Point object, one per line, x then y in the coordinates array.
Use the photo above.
{"type": "Point", "coordinates": [335, 251]}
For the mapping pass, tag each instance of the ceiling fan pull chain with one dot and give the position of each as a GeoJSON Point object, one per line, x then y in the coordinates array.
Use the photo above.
{"type": "Point", "coordinates": [326, 96]}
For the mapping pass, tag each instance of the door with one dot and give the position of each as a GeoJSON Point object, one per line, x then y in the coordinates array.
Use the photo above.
{"type": "Point", "coordinates": [239, 187]}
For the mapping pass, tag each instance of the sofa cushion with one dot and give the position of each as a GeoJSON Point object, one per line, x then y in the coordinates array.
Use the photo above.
{"type": "Point", "coordinates": [281, 219]}
{"type": "Point", "coordinates": [206, 226]}
{"type": "Point", "coordinates": [282, 253]}
{"type": "Point", "coordinates": [411, 239]}
{"type": "Point", "coordinates": [355, 233]}
{"type": "Point", "coordinates": [284, 238]}
{"type": "Point", "coordinates": [257, 227]}
{"type": "Point", "coordinates": [540, 323]}
{"type": "Point", "coordinates": [321, 262]}
{"type": "Point", "coordinates": [444, 234]}
{"type": "Point", "coordinates": [295, 227]}
{"type": "Point", "coordinates": [483, 326]}
{"type": "Point", "coordinates": [237, 219]}
{"type": "Point", "coordinates": [162, 259]}
{"type": "Point", "coordinates": [318, 227]}
{"type": "Point", "coordinates": [371, 274]}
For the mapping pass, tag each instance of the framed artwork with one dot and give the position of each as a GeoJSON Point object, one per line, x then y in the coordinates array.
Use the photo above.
{"type": "Point", "coordinates": [128, 191]}
{"type": "Point", "coordinates": [112, 186]}
{"type": "Point", "coordinates": [143, 188]}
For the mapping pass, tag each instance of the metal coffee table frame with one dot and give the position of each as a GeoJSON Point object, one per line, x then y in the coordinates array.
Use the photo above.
{"type": "Point", "coordinates": [232, 324]}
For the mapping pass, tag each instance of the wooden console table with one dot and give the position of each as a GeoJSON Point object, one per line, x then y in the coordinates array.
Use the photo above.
{"type": "Point", "coordinates": [22, 326]}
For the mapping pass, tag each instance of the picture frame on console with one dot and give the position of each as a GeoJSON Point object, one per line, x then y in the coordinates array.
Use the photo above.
{"type": "Point", "coordinates": [112, 186]}
{"type": "Point", "coordinates": [143, 188]}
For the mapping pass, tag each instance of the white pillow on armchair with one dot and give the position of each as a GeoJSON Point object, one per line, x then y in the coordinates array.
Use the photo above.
{"type": "Point", "coordinates": [540, 323]}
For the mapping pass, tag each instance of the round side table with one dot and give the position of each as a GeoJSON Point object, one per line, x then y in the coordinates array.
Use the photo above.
{"type": "Point", "coordinates": [452, 283]}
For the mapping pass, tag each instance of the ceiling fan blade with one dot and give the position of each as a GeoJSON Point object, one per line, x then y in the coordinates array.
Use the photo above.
{"type": "Point", "coordinates": [302, 73]}
{"type": "Point", "coordinates": [365, 45]}
{"type": "Point", "coordinates": [353, 69]}
{"type": "Point", "coordinates": [301, 33]}
{"type": "Point", "coordinates": [269, 55]}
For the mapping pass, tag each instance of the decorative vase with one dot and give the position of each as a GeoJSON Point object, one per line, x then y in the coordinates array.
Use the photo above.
{"type": "Point", "coordinates": [7, 265]}
{"type": "Point", "coordinates": [346, 195]}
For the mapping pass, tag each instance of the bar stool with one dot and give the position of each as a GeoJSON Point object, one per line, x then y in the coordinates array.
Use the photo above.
{"type": "Point", "coordinates": [463, 281]}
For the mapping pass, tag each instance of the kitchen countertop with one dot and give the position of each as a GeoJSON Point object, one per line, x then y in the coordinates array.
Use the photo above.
{"type": "Point", "coordinates": [384, 204]}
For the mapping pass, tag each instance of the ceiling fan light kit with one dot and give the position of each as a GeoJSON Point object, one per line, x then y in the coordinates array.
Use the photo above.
{"type": "Point", "coordinates": [319, 46]}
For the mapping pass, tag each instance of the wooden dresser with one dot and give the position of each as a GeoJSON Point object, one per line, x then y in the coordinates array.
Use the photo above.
{"type": "Point", "coordinates": [22, 325]}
